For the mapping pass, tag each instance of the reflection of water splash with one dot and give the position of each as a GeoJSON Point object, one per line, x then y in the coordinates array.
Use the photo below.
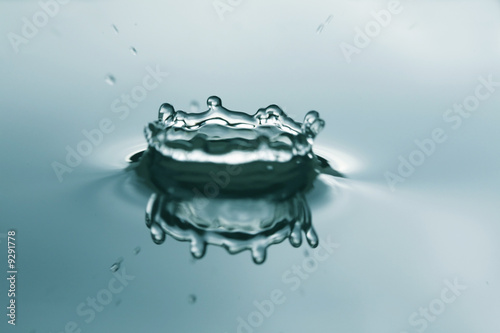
{"type": "Point", "coordinates": [230, 179]}
{"type": "Point", "coordinates": [235, 224]}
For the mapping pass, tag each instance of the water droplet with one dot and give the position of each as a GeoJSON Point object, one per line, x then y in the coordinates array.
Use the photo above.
{"type": "Point", "coordinates": [322, 25]}
{"type": "Point", "coordinates": [116, 265]}
{"type": "Point", "coordinates": [165, 112]}
{"type": "Point", "coordinates": [269, 167]}
{"type": "Point", "coordinates": [192, 299]}
{"type": "Point", "coordinates": [194, 106]}
{"type": "Point", "coordinates": [137, 250]}
{"type": "Point", "coordinates": [110, 79]}
{"type": "Point", "coordinates": [320, 28]}
{"type": "Point", "coordinates": [306, 253]}
{"type": "Point", "coordinates": [313, 124]}
{"type": "Point", "coordinates": [115, 28]}
{"type": "Point", "coordinates": [213, 102]}
{"type": "Point", "coordinates": [157, 233]}
{"type": "Point", "coordinates": [296, 235]}
{"type": "Point", "coordinates": [259, 254]}
{"type": "Point", "coordinates": [312, 238]}
{"type": "Point", "coordinates": [198, 247]}
{"type": "Point", "coordinates": [133, 50]}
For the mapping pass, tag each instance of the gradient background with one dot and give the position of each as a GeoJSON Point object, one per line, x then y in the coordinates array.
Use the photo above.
{"type": "Point", "coordinates": [396, 247]}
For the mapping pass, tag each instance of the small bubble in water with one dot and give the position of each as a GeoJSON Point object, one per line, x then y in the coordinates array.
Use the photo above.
{"type": "Point", "coordinates": [192, 299]}
{"type": "Point", "coordinates": [306, 253]}
{"type": "Point", "coordinates": [115, 28]}
{"type": "Point", "coordinates": [116, 266]}
{"type": "Point", "coordinates": [118, 302]}
{"type": "Point", "coordinates": [133, 50]}
{"type": "Point", "coordinates": [194, 106]}
{"type": "Point", "coordinates": [110, 79]}
{"type": "Point", "coordinates": [137, 250]}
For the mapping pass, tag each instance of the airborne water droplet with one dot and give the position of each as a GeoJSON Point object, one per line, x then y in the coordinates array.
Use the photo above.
{"type": "Point", "coordinates": [322, 25]}
{"type": "Point", "coordinates": [192, 299]}
{"type": "Point", "coordinates": [110, 79]}
{"type": "Point", "coordinates": [115, 28]}
{"type": "Point", "coordinates": [137, 250]}
{"type": "Point", "coordinates": [116, 265]}
{"type": "Point", "coordinates": [133, 50]}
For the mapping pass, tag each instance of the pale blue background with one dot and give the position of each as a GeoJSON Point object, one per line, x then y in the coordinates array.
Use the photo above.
{"type": "Point", "coordinates": [396, 247]}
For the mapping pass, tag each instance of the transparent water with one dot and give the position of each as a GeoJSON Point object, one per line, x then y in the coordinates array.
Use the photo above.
{"type": "Point", "coordinates": [385, 254]}
{"type": "Point", "coordinates": [228, 178]}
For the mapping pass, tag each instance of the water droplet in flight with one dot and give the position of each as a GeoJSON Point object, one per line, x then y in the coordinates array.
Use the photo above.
{"type": "Point", "coordinates": [110, 79]}
{"type": "Point", "coordinates": [116, 265]}
{"type": "Point", "coordinates": [322, 25]}
{"type": "Point", "coordinates": [192, 299]}
{"type": "Point", "coordinates": [133, 50]}
{"type": "Point", "coordinates": [115, 28]}
{"type": "Point", "coordinates": [137, 250]}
